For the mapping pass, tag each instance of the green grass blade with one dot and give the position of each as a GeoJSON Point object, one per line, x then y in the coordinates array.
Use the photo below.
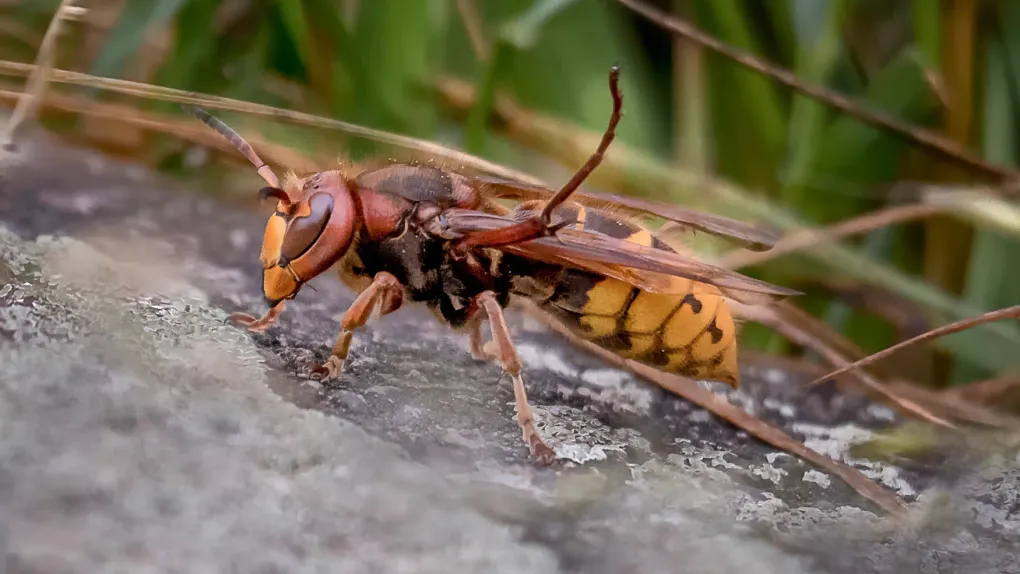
{"type": "Point", "coordinates": [193, 45]}
{"type": "Point", "coordinates": [927, 20]}
{"type": "Point", "coordinates": [296, 24]}
{"type": "Point", "coordinates": [1009, 32]}
{"type": "Point", "coordinates": [523, 32]}
{"type": "Point", "coordinates": [518, 34]}
{"type": "Point", "coordinates": [128, 34]}
{"type": "Point", "coordinates": [748, 111]}
{"type": "Point", "coordinates": [399, 47]}
{"type": "Point", "coordinates": [819, 30]}
{"type": "Point", "coordinates": [477, 125]}
{"type": "Point", "coordinates": [850, 151]}
{"type": "Point", "coordinates": [991, 283]}
{"type": "Point", "coordinates": [339, 46]}
{"type": "Point", "coordinates": [690, 95]}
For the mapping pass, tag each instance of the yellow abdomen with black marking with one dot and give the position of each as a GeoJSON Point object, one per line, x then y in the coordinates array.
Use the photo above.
{"type": "Point", "coordinates": [691, 334]}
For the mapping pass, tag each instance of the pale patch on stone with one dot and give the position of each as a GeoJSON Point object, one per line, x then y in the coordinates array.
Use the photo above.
{"type": "Point", "coordinates": [835, 442]}
{"type": "Point", "coordinates": [774, 376]}
{"type": "Point", "coordinates": [741, 399]}
{"type": "Point", "coordinates": [819, 478]}
{"type": "Point", "coordinates": [881, 412]}
{"type": "Point", "coordinates": [455, 437]}
{"type": "Point", "coordinates": [124, 266]}
{"type": "Point", "coordinates": [536, 358]}
{"type": "Point", "coordinates": [582, 453]}
{"type": "Point", "coordinates": [769, 473]}
{"type": "Point", "coordinates": [887, 475]}
{"type": "Point", "coordinates": [612, 387]}
{"type": "Point", "coordinates": [605, 377]}
{"type": "Point", "coordinates": [629, 398]}
{"type": "Point", "coordinates": [239, 239]}
{"type": "Point", "coordinates": [577, 436]}
{"type": "Point", "coordinates": [784, 409]}
{"type": "Point", "coordinates": [699, 416]}
{"type": "Point", "coordinates": [701, 458]}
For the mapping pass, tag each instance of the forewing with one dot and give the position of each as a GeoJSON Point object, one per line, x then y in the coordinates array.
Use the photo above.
{"type": "Point", "coordinates": [743, 234]}
{"type": "Point", "coordinates": [644, 267]}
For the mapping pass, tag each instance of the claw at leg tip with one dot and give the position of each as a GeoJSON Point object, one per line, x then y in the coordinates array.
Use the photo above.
{"type": "Point", "coordinates": [326, 371]}
{"type": "Point", "coordinates": [542, 452]}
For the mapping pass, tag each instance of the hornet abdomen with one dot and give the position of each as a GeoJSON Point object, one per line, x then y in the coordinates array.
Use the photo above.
{"type": "Point", "coordinates": [692, 333]}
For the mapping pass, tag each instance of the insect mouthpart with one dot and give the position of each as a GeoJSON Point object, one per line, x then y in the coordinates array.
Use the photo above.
{"type": "Point", "coordinates": [280, 282]}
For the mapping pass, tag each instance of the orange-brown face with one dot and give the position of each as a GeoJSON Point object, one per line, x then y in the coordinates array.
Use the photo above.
{"type": "Point", "coordinates": [304, 238]}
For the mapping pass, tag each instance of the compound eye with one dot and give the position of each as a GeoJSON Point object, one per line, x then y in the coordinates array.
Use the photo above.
{"type": "Point", "coordinates": [305, 230]}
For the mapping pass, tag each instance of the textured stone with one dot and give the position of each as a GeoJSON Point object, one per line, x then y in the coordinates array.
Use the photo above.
{"type": "Point", "coordinates": [139, 433]}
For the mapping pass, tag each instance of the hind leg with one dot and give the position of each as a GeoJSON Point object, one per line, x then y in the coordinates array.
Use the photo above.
{"type": "Point", "coordinates": [481, 351]}
{"type": "Point", "coordinates": [506, 354]}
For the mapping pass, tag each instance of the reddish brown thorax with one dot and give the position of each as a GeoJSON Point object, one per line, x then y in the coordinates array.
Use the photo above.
{"type": "Point", "coordinates": [381, 212]}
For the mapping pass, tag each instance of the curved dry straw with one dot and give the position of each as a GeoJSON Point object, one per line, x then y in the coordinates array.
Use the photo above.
{"type": "Point", "coordinates": [1007, 313]}
{"type": "Point", "coordinates": [29, 100]}
{"type": "Point", "coordinates": [217, 102]}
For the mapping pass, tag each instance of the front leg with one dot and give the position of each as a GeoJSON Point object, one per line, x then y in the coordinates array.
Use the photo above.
{"type": "Point", "coordinates": [385, 294]}
{"type": "Point", "coordinates": [256, 324]}
{"type": "Point", "coordinates": [506, 354]}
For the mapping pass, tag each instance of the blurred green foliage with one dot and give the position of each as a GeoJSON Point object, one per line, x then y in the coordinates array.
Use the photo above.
{"type": "Point", "coordinates": [790, 161]}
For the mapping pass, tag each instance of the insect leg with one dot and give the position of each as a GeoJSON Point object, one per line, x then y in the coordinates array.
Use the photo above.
{"type": "Point", "coordinates": [477, 347]}
{"type": "Point", "coordinates": [386, 294]}
{"type": "Point", "coordinates": [479, 350]}
{"type": "Point", "coordinates": [258, 324]}
{"type": "Point", "coordinates": [507, 356]}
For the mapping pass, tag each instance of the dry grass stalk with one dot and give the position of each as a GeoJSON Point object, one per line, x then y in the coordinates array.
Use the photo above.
{"type": "Point", "coordinates": [37, 80]}
{"type": "Point", "coordinates": [955, 327]}
{"type": "Point", "coordinates": [216, 102]}
{"type": "Point", "coordinates": [807, 238]}
{"type": "Point", "coordinates": [473, 23]}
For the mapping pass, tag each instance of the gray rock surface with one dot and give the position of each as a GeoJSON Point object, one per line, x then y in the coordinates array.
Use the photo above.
{"type": "Point", "coordinates": [138, 433]}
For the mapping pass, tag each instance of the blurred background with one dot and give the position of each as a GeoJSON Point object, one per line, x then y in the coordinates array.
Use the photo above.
{"type": "Point", "coordinates": [524, 82]}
